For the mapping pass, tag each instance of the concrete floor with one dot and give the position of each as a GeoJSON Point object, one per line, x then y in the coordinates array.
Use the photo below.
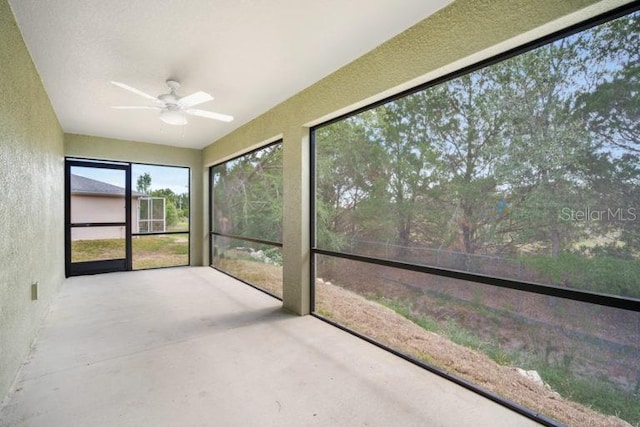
{"type": "Point", "coordinates": [193, 347]}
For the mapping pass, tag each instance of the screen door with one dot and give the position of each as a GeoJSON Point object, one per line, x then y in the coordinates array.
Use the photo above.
{"type": "Point", "coordinates": [98, 217]}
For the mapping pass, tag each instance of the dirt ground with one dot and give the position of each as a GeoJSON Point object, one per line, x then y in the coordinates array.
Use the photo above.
{"type": "Point", "coordinates": [264, 276]}
{"type": "Point", "coordinates": [383, 324]}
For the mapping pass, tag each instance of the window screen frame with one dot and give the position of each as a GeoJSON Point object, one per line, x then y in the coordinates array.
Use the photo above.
{"type": "Point", "coordinates": [213, 234]}
{"type": "Point", "coordinates": [620, 302]}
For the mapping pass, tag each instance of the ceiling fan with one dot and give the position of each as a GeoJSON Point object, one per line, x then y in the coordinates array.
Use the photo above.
{"type": "Point", "coordinates": [173, 108]}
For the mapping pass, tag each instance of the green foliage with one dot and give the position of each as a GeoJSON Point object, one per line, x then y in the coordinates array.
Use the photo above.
{"type": "Point", "coordinates": [176, 205]}
{"type": "Point", "coordinates": [171, 214]}
{"type": "Point", "coordinates": [616, 42]}
{"type": "Point", "coordinates": [326, 313]}
{"type": "Point", "coordinates": [166, 193]}
{"type": "Point", "coordinates": [553, 128]}
{"type": "Point", "coordinates": [448, 328]}
{"type": "Point", "coordinates": [143, 184]}
{"type": "Point", "coordinates": [598, 394]}
{"type": "Point", "coordinates": [274, 254]}
{"type": "Point", "coordinates": [347, 175]}
{"type": "Point", "coordinates": [603, 274]}
{"type": "Point", "coordinates": [404, 309]}
{"type": "Point", "coordinates": [247, 195]}
{"type": "Point", "coordinates": [182, 203]}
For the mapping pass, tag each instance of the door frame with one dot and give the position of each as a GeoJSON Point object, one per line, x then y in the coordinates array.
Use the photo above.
{"type": "Point", "coordinates": [103, 266]}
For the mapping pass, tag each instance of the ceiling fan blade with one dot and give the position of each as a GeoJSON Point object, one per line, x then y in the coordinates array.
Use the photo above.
{"type": "Point", "coordinates": [194, 99]}
{"type": "Point", "coordinates": [135, 107]}
{"type": "Point", "coordinates": [209, 115]}
{"type": "Point", "coordinates": [134, 90]}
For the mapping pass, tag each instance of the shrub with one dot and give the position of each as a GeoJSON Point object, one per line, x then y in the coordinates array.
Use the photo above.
{"type": "Point", "coordinates": [603, 274]}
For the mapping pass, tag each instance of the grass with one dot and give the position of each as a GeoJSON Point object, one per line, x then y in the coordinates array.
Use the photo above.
{"type": "Point", "coordinates": [160, 251]}
{"type": "Point", "coordinates": [179, 226]}
{"type": "Point", "coordinates": [596, 393]}
{"type": "Point", "coordinates": [604, 274]}
{"type": "Point", "coordinates": [265, 276]}
{"type": "Point", "coordinates": [449, 329]}
{"type": "Point", "coordinates": [404, 309]}
{"type": "Point", "coordinates": [148, 251]}
{"type": "Point", "coordinates": [326, 313]}
{"type": "Point", "coordinates": [97, 250]}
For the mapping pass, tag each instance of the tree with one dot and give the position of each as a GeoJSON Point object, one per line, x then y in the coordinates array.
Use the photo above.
{"type": "Point", "coordinates": [166, 193]}
{"type": "Point", "coordinates": [545, 164]}
{"type": "Point", "coordinates": [348, 183]}
{"type": "Point", "coordinates": [612, 109]}
{"type": "Point", "coordinates": [465, 128]}
{"type": "Point", "coordinates": [182, 201]}
{"type": "Point", "coordinates": [552, 129]}
{"type": "Point", "coordinates": [571, 130]}
{"type": "Point", "coordinates": [247, 195]}
{"type": "Point", "coordinates": [170, 200]}
{"type": "Point", "coordinates": [171, 214]}
{"type": "Point", "coordinates": [406, 165]}
{"type": "Point", "coordinates": [143, 184]}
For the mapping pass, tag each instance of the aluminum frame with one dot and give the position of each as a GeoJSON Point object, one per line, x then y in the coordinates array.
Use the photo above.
{"type": "Point", "coordinates": [632, 304]}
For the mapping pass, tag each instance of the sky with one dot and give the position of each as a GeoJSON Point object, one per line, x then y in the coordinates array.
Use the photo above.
{"type": "Point", "coordinates": [174, 178]}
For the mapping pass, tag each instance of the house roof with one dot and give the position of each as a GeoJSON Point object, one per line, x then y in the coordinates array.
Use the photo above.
{"type": "Point", "coordinates": [88, 186]}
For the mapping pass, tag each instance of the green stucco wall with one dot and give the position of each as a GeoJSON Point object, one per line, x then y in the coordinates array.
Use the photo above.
{"type": "Point", "coordinates": [31, 200]}
{"type": "Point", "coordinates": [461, 34]}
{"type": "Point", "coordinates": [93, 147]}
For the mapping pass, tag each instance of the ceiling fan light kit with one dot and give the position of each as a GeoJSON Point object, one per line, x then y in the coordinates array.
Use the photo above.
{"type": "Point", "coordinates": [173, 117]}
{"type": "Point", "coordinates": [173, 108]}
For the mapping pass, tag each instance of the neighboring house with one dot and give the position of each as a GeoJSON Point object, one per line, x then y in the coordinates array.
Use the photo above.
{"type": "Point", "coordinates": [96, 201]}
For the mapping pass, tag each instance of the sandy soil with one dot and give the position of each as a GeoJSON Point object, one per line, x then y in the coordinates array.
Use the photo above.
{"type": "Point", "coordinates": [384, 325]}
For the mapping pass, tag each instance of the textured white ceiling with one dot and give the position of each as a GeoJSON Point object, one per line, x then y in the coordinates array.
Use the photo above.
{"type": "Point", "coordinates": [250, 54]}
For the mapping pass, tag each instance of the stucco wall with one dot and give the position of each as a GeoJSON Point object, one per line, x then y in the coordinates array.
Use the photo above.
{"type": "Point", "coordinates": [94, 147]}
{"type": "Point", "coordinates": [458, 35]}
{"type": "Point", "coordinates": [31, 200]}
{"type": "Point", "coordinates": [85, 208]}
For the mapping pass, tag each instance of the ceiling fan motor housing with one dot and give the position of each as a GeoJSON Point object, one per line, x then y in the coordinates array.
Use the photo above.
{"type": "Point", "coordinates": [174, 108]}
{"type": "Point", "coordinates": [173, 85]}
{"type": "Point", "coordinates": [170, 99]}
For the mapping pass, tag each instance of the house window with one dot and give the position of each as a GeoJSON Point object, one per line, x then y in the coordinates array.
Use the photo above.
{"type": "Point", "coordinates": [490, 221]}
{"type": "Point", "coordinates": [246, 218]}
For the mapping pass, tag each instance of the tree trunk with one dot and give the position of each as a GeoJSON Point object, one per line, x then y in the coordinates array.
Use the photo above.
{"type": "Point", "coordinates": [555, 240]}
{"type": "Point", "coordinates": [404, 235]}
{"type": "Point", "coordinates": [467, 238]}
{"type": "Point", "coordinates": [467, 229]}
